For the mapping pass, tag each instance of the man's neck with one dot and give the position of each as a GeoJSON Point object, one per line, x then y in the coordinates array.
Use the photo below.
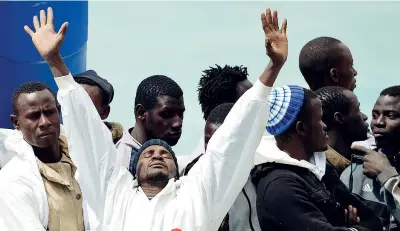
{"type": "Point", "coordinates": [51, 154]}
{"type": "Point", "coordinates": [150, 190]}
{"type": "Point", "coordinates": [139, 134]}
{"type": "Point", "coordinates": [296, 152]}
{"type": "Point", "coordinates": [340, 145]}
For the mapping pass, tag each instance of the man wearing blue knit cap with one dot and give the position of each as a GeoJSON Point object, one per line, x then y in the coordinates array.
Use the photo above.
{"type": "Point", "coordinates": [297, 190]}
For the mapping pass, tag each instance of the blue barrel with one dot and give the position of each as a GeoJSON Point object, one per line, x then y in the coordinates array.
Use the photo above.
{"type": "Point", "coordinates": [19, 59]}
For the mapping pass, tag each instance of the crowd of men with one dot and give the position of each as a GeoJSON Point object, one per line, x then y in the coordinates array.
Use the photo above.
{"type": "Point", "coordinates": [319, 167]}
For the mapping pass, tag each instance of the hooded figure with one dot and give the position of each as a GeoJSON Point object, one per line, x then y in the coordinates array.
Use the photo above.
{"type": "Point", "coordinates": [297, 190]}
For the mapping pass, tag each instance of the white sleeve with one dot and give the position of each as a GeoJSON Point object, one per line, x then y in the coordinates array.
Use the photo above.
{"type": "Point", "coordinates": [223, 170]}
{"type": "Point", "coordinates": [90, 142]}
{"type": "Point", "coordinates": [18, 213]}
{"type": "Point", "coordinates": [5, 155]}
{"type": "Point", "coordinates": [20, 207]}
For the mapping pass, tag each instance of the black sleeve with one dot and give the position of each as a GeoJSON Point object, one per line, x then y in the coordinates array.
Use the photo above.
{"type": "Point", "coordinates": [345, 197]}
{"type": "Point", "coordinates": [285, 203]}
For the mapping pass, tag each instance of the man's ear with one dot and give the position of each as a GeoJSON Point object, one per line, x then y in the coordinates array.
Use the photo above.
{"type": "Point", "coordinates": [14, 121]}
{"type": "Point", "coordinates": [301, 128]}
{"type": "Point", "coordinates": [105, 112]}
{"type": "Point", "coordinates": [333, 75]}
{"type": "Point", "coordinates": [339, 118]}
{"type": "Point", "coordinates": [140, 112]}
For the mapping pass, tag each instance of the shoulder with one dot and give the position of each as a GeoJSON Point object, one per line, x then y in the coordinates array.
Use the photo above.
{"type": "Point", "coordinates": [17, 181]}
{"type": "Point", "coordinates": [278, 180]}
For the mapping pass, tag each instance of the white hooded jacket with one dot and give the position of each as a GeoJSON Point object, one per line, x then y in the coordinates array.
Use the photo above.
{"type": "Point", "coordinates": [198, 201]}
{"type": "Point", "coordinates": [23, 200]}
{"type": "Point", "coordinates": [268, 152]}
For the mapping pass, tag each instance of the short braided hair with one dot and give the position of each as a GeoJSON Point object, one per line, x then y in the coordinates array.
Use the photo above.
{"type": "Point", "coordinates": [218, 85]}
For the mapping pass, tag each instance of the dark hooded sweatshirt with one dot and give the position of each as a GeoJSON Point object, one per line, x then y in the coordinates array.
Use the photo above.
{"type": "Point", "coordinates": [292, 198]}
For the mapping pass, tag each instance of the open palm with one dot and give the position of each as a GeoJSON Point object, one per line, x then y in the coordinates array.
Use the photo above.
{"type": "Point", "coordinates": [275, 39]}
{"type": "Point", "coordinates": [45, 39]}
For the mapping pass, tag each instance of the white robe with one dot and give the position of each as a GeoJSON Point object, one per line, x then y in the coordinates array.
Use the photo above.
{"type": "Point", "coordinates": [198, 201]}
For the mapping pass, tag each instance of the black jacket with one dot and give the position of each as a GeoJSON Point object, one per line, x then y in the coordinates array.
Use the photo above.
{"type": "Point", "coordinates": [291, 198]}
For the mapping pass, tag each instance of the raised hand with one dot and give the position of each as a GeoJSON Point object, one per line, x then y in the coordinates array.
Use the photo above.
{"type": "Point", "coordinates": [45, 39]}
{"type": "Point", "coordinates": [276, 41]}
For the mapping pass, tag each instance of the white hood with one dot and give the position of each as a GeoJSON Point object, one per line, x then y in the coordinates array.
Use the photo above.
{"type": "Point", "coordinates": [268, 152]}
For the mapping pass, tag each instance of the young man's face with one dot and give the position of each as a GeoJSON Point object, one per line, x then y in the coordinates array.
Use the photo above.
{"type": "Point", "coordinates": [209, 131]}
{"type": "Point", "coordinates": [38, 118]}
{"type": "Point", "coordinates": [385, 123]}
{"type": "Point", "coordinates": [165, 120]}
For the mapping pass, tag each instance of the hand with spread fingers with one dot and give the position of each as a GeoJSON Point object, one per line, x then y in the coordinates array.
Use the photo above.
{"type": "Point", "coordinates": [45, 38]}
{"type": "Point", "coordinates": [276, 41]}
{"type": "Point", "coordinates": [374, 162]}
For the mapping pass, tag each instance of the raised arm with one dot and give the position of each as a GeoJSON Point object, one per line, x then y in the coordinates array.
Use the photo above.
{"type": "Point", "coordinates": [89, 140]}
{"type": "Point", "coordinates": [223, 170]}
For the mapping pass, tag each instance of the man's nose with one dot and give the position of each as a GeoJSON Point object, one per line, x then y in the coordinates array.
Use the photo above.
{"type": "Point", "coordinates": [177, 124]}
{"type": "Point", "coordinates": [44, 121]}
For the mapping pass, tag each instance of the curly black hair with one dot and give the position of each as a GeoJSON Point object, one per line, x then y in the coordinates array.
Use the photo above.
{"type": "Point", "coordinates": [218, 85]}
{"type": "Point", "coordinates": [218, 115]}
{"type": "Point", "coordinates": [27, 88]}
{"type": "Point", "coordinates": [333, 100]}
{"type": "Point", "coordinates": [393, 91]}
{"type": "Point", "coordinates": [154, 86]}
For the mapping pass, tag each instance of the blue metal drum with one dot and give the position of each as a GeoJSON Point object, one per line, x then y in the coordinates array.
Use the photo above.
{"type": "Point", "coordinates": [19, 60]}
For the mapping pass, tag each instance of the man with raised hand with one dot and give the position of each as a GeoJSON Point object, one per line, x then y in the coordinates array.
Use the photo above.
{"type": "Point", "coordinates": [155, 198]}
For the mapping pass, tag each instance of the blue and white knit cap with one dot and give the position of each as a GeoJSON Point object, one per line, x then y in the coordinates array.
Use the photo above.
{"type": "Point", "coordinates": [152, 142]}
{"type": "Point", "coordinates": [284, 106]}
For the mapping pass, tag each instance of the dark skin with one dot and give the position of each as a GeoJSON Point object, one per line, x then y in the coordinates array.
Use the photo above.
{"type": "Point", "coordinates": [348, 128]}
{"type": "Point", "coordinates": [276, 43]}
{"type": "Point", "coordinates": [350, 216]}
{"type": "Point", "coordinates": [343, 74]}
{"type": "Point", "coordinates": [385, 125]}
{"type": "Point", "coordinates": [155, 167]}
{"type": "Point", "coordinates": [310, 135]}
{"type": "Point", "coordinates": [242, 87]}
{"type": "Point", "coordinates": [94, 93]}
{"type": "Point", "coordinates": [164, 121]}
{"type": "Point", "coordinates": [209, 130]}
{"type": "Point", "coordinates": [48, 43]}
{"type": "Point", "coordinates": [38, 118]}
